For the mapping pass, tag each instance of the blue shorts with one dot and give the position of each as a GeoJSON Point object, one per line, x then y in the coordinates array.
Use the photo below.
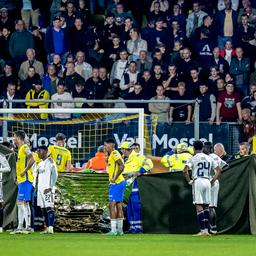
{"type": "Point", "coordinates": [116, 192]}
{"type": "Point", "coordinates": [25, 191]}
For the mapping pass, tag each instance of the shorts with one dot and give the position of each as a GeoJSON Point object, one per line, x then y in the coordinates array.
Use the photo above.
{"type": "Point", "coordinates": [201, 191]}
{"type": "Point", "coordinates": [1, 192]}
{"type": "Point", "coordinates": [214, 194]}
{"type": "Point", "coordinates": [25, 191]}
{"type": "Point", "coordinates": [45, 200]}
{"type": "Point", "coordinates": [116, 192]}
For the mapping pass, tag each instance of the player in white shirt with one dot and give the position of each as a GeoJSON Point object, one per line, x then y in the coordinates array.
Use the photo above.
{"type": "Point", "coordinates": [4, 167]}
{"type": "Point", "coordinates": [46, 180]}
{"type": "Point", "coordinates": [208, 149]}
{"type": "Point", "coordinates": [201, 166]}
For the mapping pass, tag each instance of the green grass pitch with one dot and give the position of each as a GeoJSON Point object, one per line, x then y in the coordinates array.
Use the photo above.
{"type": "Point", "coordinates": [68, 244]}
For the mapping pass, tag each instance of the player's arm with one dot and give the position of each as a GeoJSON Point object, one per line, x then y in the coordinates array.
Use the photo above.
{"type": "Point", "coordinates": [68, 163]}
{"type": "Point", "coordinates": [120, 169]}
{"type": "Point", "coordinates": [217, 174]}
{"type": "Point", "coordinates": [4, 164]}
{"type": "Point", "coordinates": [186, 174]}
{"type": "Point", "coordinates": [30, 163]}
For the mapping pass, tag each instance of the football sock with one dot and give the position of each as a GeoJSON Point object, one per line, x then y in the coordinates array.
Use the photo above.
{"type": "Point", "coordinates": [113, 225]}
{"type": "Point", "coordinates": [213, 225]}
{"type": "Point", "coordinates": [27, 215]}
{"type": "Point", "coordinates": [20, 215]}
{"type": "Point", "coordinates": [1, 217]}
{"type": "Point", "coordinates": [32, 210]}
{"type": "Point", "coordinates": [206, 218]}
{"type": "Point", "coordinates": [51, 217]}
{"type": "Point", "coordinates": [200, 217]}
{"type": "Point", "coordinates": [120, 225]}
{"type": "Point", "coordinates": [45, 217]}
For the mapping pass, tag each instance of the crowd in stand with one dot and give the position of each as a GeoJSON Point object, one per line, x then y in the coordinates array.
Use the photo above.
{"type": "Point", "coordinates": [179, 50]}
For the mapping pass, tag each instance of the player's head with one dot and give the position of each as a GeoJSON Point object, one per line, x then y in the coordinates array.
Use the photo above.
{"type": "Point", "coordinates": [198, 146]}
{"type": "Point", "coordinates": [109, 145]}
{"type": "Point", "coordinates": [208, 148]}
{"type": "Point", "coordinates": [126, 148]}
{"type": "Point", "coordinates": [244, 148]}
{"type": "Point", "coordinates": [136, 147]}
{"type": "Point", "coordinates": [19, 137]}
{"type": "Point", "coordinates": [42, 152]}
{"type": "Point", "coordinates": [60, 139]}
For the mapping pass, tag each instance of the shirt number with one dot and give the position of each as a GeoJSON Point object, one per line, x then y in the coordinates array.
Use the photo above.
{"type": "Point", "coordinates": [201, 167]}
{"type": "Point", "coordinates": [59, 159]}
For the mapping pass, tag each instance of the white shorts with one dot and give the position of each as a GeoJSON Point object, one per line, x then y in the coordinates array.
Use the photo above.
{"type": "Point", "coordinates": [201, 191]}
{"type": "Point", "coordinates": [1, 192]}
{"type": "Point", "coordinates": [45, 200]}
{"type": "Point", "coordinates": [214, 194]}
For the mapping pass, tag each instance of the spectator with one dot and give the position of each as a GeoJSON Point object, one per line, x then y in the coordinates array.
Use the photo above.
{"type": "Point", "coordinates": [78, 94]}
{"type": "Point", "coordinates": [158, 59]}
{"type": "Point", "coordinates": [4, 44]}
{"type": "Point", "coordinates": [7, 77]}
{"type": "Point", "coordinates": [5, 20]}
{"type": "Point", "coordinates": [156, 12]}
{"type": "Point", "coordinates": [226, 23]}
{"type": "Point", "coordinates": [177, 34]}
{"type": "Point", "coordinates": [228, 52]}
{"type": "Point", "coordinates": [60, 96]}
{"type": "Point", "coordinates": [119, 67]}
{"type": "Point", "coordinates": [99, 162]}
{"type": "Point", "coordinates": [30, 62]}
{"type": "Point", "coordinates": [220, 86]}
{"type": "Point", "coordinates": [212, 80]}
{"type": "Point", "coordinates": [244, 150]}
{"type": "Point", "coordinates": [143, 63]}
{"type": "Point", "coordinates": [77, 36]}
{"type": "Point", "coordinates": [240, 68]}
{"type": "Point", "coordinates": [27, 84]}
{"type": "Point", "coordinates": [171, 81]}
{"type": "Point", "coordinates": [30, 10]}
{"type": "Point", "coordinates": [219, 61]}
{"type": "Point", "coordinates": [250, 103]}
{"type": "Point", "coordinates": [160, 110]}
{"type": "Point", "coordinates": [249, 11]}
{"type": "Point", "coordinates": [20, 41]}
{"type": "Point", "coordinates": [56, 61]}
{"type": "Point", "coordinates": [125, 30]}
{"type": "Point", "coordinates": [163, 5]}
{"type": "Point", "coordinates": [246, 100]}
{"type": "Point", "coordinates": [248, 124]}
{"type": "Point", "coordinates": [193, 83]}
{"type": "Point", "coordinates": [71, 77]}
{"type": "Point", "coordinates": [186, 64]}
{"type": "Point", "coordinates": [176, 52]}
{"type": "Point", "coordinates": [135, 45]}
{"type": "Point", "coordinates": [103, 75]}
{"type": "Point", "coordinates": [149, 90]}
{"type": "Point", "coordinates": [181, 111]}
{"type": "Point", "coordinates": [11, 94]}
{"type": "Point", "coordinates": [121, 15]}
{"type": "Point", "coordinates": [56, 41]}
{"type": "Point", "coordinates": [207, 105]}
{"type": "Point", "coordinates": [82, 68]}
{"type": "Point", "coordinates": [178, 16]}
{"type": "Point", "coordinates": [38, 38]}
{"type": "Point", "coordinates": [38, 93]}
{"type": "Point", "coordinates": [136, 94]}
{"type": "Point", "coordinates": [70, 15]}
{"type": "Point", "coordinates": [157, 76]}
{"type": "Point", "coordinates": [195, 19]}
{"type": "Point", "coordinates": [234, 5]}
{"type": "Point", "coordinates": [50, 80]}
{"type": "Point", "coordinates": [95, 88]}
{"type": "Point", "coordinates": [129, 79]}
{"type": "Point", "coordinates": [228, 106]}
{"type": "Point", "coordinates": [82, 11]}
{"type": "Point", "coordinates": [253, 75]}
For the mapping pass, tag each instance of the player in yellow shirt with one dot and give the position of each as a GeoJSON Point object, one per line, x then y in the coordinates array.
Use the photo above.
{"type": "Point", "coordinates": [117, 185]}
{"type": "Point", "coordinates": [60, 154]}
{"type": "Point", "coordinates": [24, 176]}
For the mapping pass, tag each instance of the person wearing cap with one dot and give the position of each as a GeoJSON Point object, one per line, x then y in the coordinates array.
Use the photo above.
{"type": "Point", "coordinates": [99, 162]}
{"type": "Point", "coordinates": [38, 93]}
{"type": "Point", "coordinates": [5, 20]}
{"type": "Point", "coordinates": [57, 41]}
{"type": "Point", "coordinates": [30, 62]}
{"type": "Point", "coordinates": [60, 154]}
{"type": "Point", "coordinates": [177, 161]}
{"type": "Point", "coordinates": [135, 165]}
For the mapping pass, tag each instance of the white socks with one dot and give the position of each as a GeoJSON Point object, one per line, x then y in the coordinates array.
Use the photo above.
{"type": "Point", "coordinates": [27, 215]}
{"type": "Point", "coordinates": [119, 225]}
{"type": "Point", "coordinates": [113, 223]}
{"type": "Point", "coordinates": [20, 215]}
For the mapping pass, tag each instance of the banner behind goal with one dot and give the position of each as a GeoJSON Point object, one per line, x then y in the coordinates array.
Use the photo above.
{"type": "Point", "coordinates": [85, 132]}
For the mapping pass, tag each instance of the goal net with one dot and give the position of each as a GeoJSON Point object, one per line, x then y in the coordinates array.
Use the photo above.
{"type": "Point", "coordinates": [85, 131]}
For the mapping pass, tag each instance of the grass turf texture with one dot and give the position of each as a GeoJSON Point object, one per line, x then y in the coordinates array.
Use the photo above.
{"type": "Point", "coordinates": [71, 244]}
